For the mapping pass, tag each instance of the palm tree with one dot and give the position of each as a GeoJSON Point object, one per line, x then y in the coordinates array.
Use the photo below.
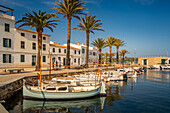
{"type": "Point", "coordinates": [110, 42]}
{"type": "Point", "coordinates": [102, 55]}
{"type": "Point", "coordinates": [40, 21]}
{"type": "Point", "coordinates": [69, 9]}
{"type": "Point", "coordinates": [122, 53]}
{"type": "Point", "coordinates": [112, 56]}
{"type": "Point", "coordinates": [118, 43]}
{"type": "Point", "coordinates": [89, 24]}
{"type": "Point", "coordinates": [100, 44]}
{"type": "Point", "coordinates": [106, 54]}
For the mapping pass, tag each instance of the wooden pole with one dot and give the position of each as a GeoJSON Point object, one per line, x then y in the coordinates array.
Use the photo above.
{"type": "Point", "coordinates": [40, 70]}
{"type": "Point", "coordinates": [50, 68]}
{"type": "Point", "coordinates": [95, 79]}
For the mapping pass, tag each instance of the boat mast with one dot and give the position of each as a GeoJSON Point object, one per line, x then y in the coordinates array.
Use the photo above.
{"type": "Point", "coordinates": [40, 67]}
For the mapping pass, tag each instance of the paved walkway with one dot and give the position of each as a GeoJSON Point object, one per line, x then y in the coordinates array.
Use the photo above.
{"type": "Point", "coordinates": [6, 78]}
{"type": "Point", "coordinates": [2, 109]}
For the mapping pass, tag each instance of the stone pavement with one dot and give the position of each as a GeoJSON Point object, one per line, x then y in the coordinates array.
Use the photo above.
{"type": "Point", "coordinates": [6, 78]}
{"type": "Point", "coordinates": [2, 109]}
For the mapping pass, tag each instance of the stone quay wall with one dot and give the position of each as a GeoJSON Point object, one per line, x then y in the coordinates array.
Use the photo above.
{"type": "Point", "coordinates": [7, 90]}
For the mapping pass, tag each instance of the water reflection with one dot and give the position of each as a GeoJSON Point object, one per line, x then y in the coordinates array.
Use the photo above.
{"type": "Point", "coordinates": [156, 75]}
{"type": "Point", "coordinates": [64, 106]}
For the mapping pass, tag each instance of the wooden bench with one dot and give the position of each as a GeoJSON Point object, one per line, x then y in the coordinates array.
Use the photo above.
{"type": "Point", "coordinates": [18, 70]}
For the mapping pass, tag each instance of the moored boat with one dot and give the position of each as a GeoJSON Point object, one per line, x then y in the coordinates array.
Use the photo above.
{"type": "Point", "coordinates": [61, 92]}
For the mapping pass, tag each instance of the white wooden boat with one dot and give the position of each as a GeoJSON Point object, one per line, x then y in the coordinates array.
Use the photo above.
{"type": "Point", "coordinates": [132, 75]}
{"type": "Point", "coordinates": [61, 92]}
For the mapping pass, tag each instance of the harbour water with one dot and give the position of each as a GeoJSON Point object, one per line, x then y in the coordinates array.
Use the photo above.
{"type": "Point", "coordinates": [147, 93]}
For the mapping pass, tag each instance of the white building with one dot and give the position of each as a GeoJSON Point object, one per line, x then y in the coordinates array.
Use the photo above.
{"type": "Point", "coordinates": [77, 53]}
{"type": "Point", "coordinates": [18, 47]}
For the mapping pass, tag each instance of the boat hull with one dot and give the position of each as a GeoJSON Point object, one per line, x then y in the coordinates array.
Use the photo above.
{"type": "Point", "coordinates": [41, 95]}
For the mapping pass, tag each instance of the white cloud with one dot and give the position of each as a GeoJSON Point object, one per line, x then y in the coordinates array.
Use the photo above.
{"type": "Point", "coordinates": [145, 2]}
{"type": "Point", "coordinates": [12, 3]}
{"type": "Point", "coordinates": [50, 3]}
{"type": "Point", "coordinates": [96, 2]}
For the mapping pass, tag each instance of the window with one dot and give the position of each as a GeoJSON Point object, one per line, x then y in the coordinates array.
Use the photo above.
{"type": "Point", "coordinates": [59, 50]}
{"type": "Point", "coordinates": [6, 58]}
{"type": "Point", "coordinates": [34, 46]}
{"type": "Point", "coordinates": [53, 50]}
{"type": "Point", "coordinates": [44, 58]}
{"type": "Point", "coordinates": [79, 52]}
{"type": "Point", "coordinates": [90, 53]}
{"type": "Point", "coordinates": [33, 36]}
{"type": "Point", "coordinates": [59, 58]}
{"type": "Point", "coordinates": [22, 45]}
{"type": "Point", "coordinates": [64, 50]}
{"type": "Point", "coordinates": [83, 50]}
{"type": "Point", "coordinates": [94, 54]}
{"type": "Point", "coordinates": [22, 34]}
{"type": "Point", "coordinates": [74, 51]}
{"type": "Point", "coordinates": [74, 60]}
{"type": "Point", "coordinates": [22, 57]}
{"type": "Point", "coordinates": [6, 27]}
{"type": "Point", "coordinates": [44, 38]}
{"type": "Point", "coordinates": [6, 42]}
{"type": "Point", "coordinates": [44, 47]}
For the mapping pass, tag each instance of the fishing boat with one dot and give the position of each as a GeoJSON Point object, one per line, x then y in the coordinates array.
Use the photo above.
{"type": "Point", "coordinates": [61, 92]}
{"type": "Point", "coordinates": [132, 75]}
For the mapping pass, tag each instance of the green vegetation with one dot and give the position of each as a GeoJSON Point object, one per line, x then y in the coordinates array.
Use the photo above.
{"type": "Point", "coordinates": [69, 9]}
{"type": "Point", "coordinates": [89, 24]}
{"type": "Point", "coordinates": [40, 21]}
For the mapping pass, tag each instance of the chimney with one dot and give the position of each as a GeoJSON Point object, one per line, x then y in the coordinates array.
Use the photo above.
{"type": "Point", "coordinates": [78, 42]}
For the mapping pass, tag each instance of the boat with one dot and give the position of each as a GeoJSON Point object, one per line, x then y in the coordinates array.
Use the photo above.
{"type": "Point", "coordinates": [132, 75]}
{"type": "Point", "coordinates": [61, 92]}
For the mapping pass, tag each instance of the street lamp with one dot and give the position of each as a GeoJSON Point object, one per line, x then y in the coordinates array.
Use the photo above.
{"type": "Point", "coordinates": [134, 55]}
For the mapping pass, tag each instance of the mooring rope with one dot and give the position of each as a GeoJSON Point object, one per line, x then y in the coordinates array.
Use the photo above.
{"type": "Point", "coordinates": [18, 89]}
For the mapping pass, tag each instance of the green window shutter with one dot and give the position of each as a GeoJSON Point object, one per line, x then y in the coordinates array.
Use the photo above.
{"type": "Point", "coordinates": [22, 58]}
{"type": "Point", "coordinates": [4, 57]}
{"type": "Point", "coordinates": [9, 58]}
{"type": "Point", "coordinates": [44, 58]}
{"type": "Point", "coordinates": [6, 27]}
{"type": "Point", "coordinates": [9, 42]}
{"type": "Point", "coordinates": [3, 42]}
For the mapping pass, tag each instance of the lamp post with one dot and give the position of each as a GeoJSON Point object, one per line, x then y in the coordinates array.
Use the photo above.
{"type": "Point", "coordinates": [134, 55]}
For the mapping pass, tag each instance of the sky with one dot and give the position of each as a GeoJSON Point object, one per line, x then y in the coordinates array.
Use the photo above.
{"type": "Point", "coordinates": [143, 24]}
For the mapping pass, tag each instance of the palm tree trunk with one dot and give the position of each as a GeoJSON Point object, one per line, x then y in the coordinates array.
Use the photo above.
{"type": "Point", "coordinates": [117, 57]}
{"type": "Point", "coordinates": [110, 54]}
{"type": "Point", "coordinates": [123, 59]}
{"type": "Point", "coordinates": [39, 48]}
{"type": "Point", "coordinates": [68, 42]}
{"type": "Point", "coordinates": [100, 52]}
{"type": "Point", "coordinates": [87, 49]}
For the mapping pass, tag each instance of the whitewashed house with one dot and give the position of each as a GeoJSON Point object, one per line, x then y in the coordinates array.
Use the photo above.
{"type": "Point", "coordinates": [77, 53]}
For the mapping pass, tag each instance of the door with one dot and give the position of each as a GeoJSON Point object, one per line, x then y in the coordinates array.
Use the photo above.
{"type": "Point", "coordinates": [145, 62]}
{"type": "Point", "coordinates": [64, 60]}
{"type": "Point", "coordinates": [162, 61]}
{"type": "Point", "coordinates": [78, 61]}
{"type": "Point", "coordinates": [33, 60]}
